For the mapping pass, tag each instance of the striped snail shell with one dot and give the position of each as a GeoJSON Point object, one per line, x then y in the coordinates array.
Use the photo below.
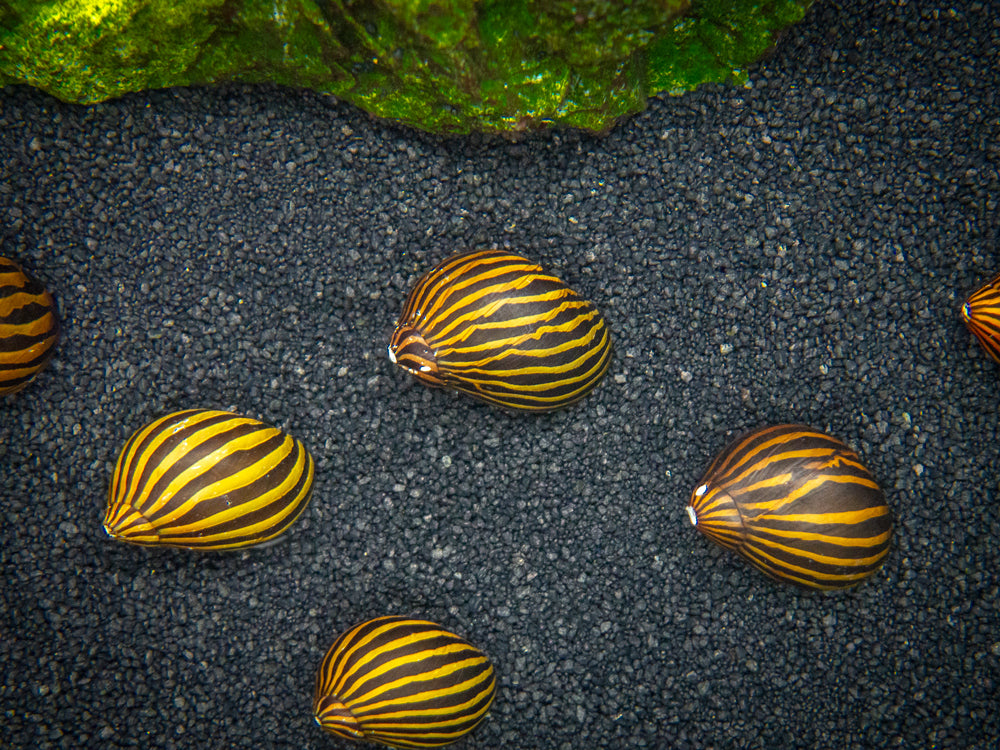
{"type": "Point", "coordinates": [204, 479]}
{"type": "Point", "coordinates": [402, 683]}
{"type": "Point", "coordinates": [495, 326]}
{"type": "Point", "coordinates": [981, 313]}
{"type": "Point", "coordinates": [797, 504]}
{"type": "Point", "coordinates": [29, 327]}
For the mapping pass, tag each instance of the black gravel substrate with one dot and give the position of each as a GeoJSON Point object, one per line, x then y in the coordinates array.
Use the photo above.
{"type": "Point", "coordinates": [797, 250]}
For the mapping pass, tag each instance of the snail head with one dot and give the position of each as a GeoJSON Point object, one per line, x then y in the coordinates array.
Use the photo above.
{"type": "Point", "coordinates": [409, 350]}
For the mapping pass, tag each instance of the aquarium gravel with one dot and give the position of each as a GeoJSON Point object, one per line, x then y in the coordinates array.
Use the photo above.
{"type": "Point", "coordinates": [796, 251]}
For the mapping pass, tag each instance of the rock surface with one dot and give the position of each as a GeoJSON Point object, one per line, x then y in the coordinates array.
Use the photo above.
{"type": "Point", "coordinates": [446, 66]}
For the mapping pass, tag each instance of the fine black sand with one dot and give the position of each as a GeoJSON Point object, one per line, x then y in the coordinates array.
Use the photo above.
{"type": "Point", "coordinates": [794, 251]}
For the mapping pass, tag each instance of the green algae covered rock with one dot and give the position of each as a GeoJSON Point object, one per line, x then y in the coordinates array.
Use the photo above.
{"type": "Point", "coordinates": [440, 65]}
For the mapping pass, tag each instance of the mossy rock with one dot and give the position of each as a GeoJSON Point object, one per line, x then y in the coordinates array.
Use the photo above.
{"type": "Point", "coordinates": [447, 66]}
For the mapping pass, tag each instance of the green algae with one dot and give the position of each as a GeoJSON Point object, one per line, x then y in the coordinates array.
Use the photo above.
{"type": "Point", "coordinates": [439, 65]}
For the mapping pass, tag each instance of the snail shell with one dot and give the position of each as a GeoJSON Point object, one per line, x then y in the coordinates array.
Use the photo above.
{"type": "Point", "coordinates": [29, 327]}
{"type": "Point", "coordinates": [495, 326]}
{"type": "Point", "coordinates": [981, 313]}
{"type": "Point", "coordinates": [402, 683]}
{"type": "Point", "coordinates": [203, 479]}
{"type": "Point", "coordinates": [797, 504]}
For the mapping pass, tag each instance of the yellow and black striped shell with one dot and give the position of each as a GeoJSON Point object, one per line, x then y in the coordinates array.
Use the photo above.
{"type": "Point", "coordinates": [495, 326]}
{"type": "Point", "coordinates": [29, 327]}
{"type": "Point", "coordinates": [402, 683]}
{"type": "Point", "coordinates": [798, 505]}
{"type": "Point", "coordinates": [204, 479]}
{"type": "Point", "coordinates": [981, 313]}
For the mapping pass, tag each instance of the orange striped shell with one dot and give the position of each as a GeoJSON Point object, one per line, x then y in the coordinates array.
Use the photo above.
{"type": "Point", "coordinates": [29, 327]}
{"type": "Point", "coordinates": [495, 326]}
{"type": "Point", "coordinates": [205, 479]}
{"type": "Point", "coordinates": [981, 313]}
{"type": "Point", "coordinates": [402, 683]}
{"type": "Point", "coordinates": [798, 505]}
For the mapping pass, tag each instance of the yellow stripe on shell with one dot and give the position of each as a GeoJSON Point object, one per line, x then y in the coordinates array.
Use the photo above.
{"type": "Point", "coordinates": [345, 656]}
{"type": "Point", "coordinates": [831, 539]}
{"type": "Point", "coordinates": [510, 346]}
{"type": "Point", "coordinates": [444, 671]}
{"type": "Point", "coordinates": [199, 467]}
{"type": "Point", "coordinates": [805, 488]}
{"type": "Point", "coordinates": [132, 463]}
{"type": "Point", "coordinates": [246, 508]}
{"type": "Point", "coordinates": [755, 549]}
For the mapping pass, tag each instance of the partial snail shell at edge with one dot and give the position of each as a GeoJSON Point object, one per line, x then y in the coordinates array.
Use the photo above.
{"type": "Point", "coordinates": [403, 683]}
{"type": "Point", "coordinates": [29, 327]}
{"type": "Point", "coordinates": [981, 314]}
